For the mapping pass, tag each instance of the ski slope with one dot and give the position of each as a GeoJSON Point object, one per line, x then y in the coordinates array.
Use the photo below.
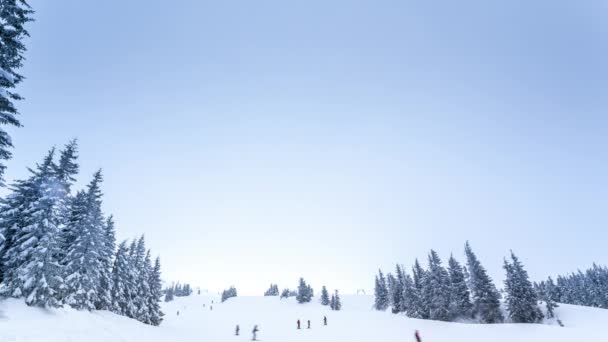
{"type": "Point", "coordinates": [277, 323]}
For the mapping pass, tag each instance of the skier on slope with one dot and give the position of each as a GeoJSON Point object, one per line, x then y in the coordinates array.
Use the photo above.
{"type": "Point", "coordinates": [255, 333]}
{"type": "Point", "coordinates": [324, 320]}
{"type": "Point", "coordinates": [308, 324]}
{"type": "Point", "coordinates": [298, 324]}
{"type": "Point", "coordinates": [236, 331]}
{"type": "Point", "coordinates": [417, 336]}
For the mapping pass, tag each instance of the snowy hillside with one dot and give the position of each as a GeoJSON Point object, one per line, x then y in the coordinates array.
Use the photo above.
{"type": "Point", "coordinates": [277, 322]}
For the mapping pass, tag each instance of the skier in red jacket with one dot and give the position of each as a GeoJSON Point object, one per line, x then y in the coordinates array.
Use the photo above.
{"type": "Point", "coordinates": [417, 335]}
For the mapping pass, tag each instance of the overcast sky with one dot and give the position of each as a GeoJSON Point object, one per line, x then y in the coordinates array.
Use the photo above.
{"type": "Point", "coordinates": [260, 141]}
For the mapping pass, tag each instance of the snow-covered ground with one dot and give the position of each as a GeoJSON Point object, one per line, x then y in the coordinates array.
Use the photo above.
{"type": "Point", "coordinates": [277, 322]}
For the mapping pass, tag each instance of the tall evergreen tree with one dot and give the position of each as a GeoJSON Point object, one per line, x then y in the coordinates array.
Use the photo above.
{"type": "Point", "coordinates": [485, 297]}
{"type": "Point", "coordinates": [122, 285]}
{"type": "Point", "coordinates": [304, 292]}
{"type": "Point", "coordinates": [84, 258]}
{"type": "Point", "coordinates": [156, 314]}
{"type": "Point", "coordinates": [336, 303]}
{"type": "Point", "coordinates": [521, 300]}
{"type": "Point", "coordinates": [397, 295]}
{"type": "Point", "coordinates": [108, 245]}
{"type": "Point", "coordinates": [421, 306]}
{"type": "Point", "coordinates": [31, 266]}
{"type": "Point", "coordinates": [410, 299]}
{"type": "Point", "coordinates": [381, 292]}
{"type": "Point", "coordinates": [14, 14]}
{"type": "Point", "coordinates": [436, 290]}
{"type": "Point", "coordinates": [460, 298]}
{"type": "Point", "coordinates": [324, 296]}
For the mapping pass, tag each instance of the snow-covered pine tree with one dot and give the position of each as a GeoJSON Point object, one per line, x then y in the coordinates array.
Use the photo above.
{"type": "Point", "coordinates": [391, 285]}
{"type": "Point", "coordinates": [337, 304]}
{"type": "Point", "coordinates": [332, 302]}
{"type": "Point", "coordinates": [304, 292]}
{"type": "Point", "coordinates": [169, 294]}
{"type": "Point", "coordinates": [122, 282]}
{"type": "Point", "coordinates": [83, 256]}
{"type": "Point", "coordinates": [156, 314]}
{"type": "Point", "coordinates": [285, 293]}
{"type": "Point", "coordinates": [227, 294]}
{"type": "Point", "coordinates": [418, 276]}
{"type": "Point", "coordinates": [550, 296]}
{"type": "Point", "coordinates": [410, 298]}
{"type": "Point", "coordinates": [139, 263]}
{"type": "Point", "coordinates": [460, 298]}
{"type": "Point", "coordinates": [108, 245]}
{"type": "Point", "coordinates": [521, 299]}
{"type": "Point", "coordinates": [273, 290]}
{"type": "Point", "coordinates": [324, 296]}
{"type": "Point", "coordinates": [14, 14]}
{"type": "Point", "coordinates": [31, 265]}
{"type": "Point", "coordinates": [485, 297]}
{"type": "Point", "coordinates": [436, 291]}
{"type": "Point", "coordinates": [381, 300]}
{"type": "Point", "coordinates": [397, 295]}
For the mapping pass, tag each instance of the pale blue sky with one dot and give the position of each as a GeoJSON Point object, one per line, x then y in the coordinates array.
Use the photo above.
{"type": "Point", "coordinates": [257, 141]}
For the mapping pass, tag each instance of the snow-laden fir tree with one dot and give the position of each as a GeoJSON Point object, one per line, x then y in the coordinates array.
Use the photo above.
{"type": "Point", "coordinates": [410, 299]}
{"type": "Point", "coordinates": [391, 285]}
{"type": "Point", "coordinates": [484, 296]}
{"type": "Point", "coordinates": [397, 299]}
{"type": "Point", "coordinates": [304, 292]}
{"type": "Point", "coordinates": [381, 300]}
{"type": "Point", "coordinates": [227, 294]}
{"type": "Point", "coordinates": [521, 299]}
{"type": "Point", "coordinates": [123, 286]}
{"type": "Point", "coordinates": [549, 294]}
{"type": "Point", "coordinates": [169, 295]}
{"type": "Point", "coordinates": [436, 291]}
{"type": "Point", "coordinates": [285, 293]}
{"type": "Point", "coordinates": [156, 314]}
{"type": "Point", "coordinates": [460, 298]}
{"type": "Point", "coordinates": [31, 267]}
{"type": "Point", "coordinates": [108, 245]}
{"type": "Point", "coordinates": [273, 290]}
{"type": "Point", "coordinates": [14, 14]}
{"type": "Point", "coordinates": [324, 296]}
{"type": "Point", "coordinates": [335, 302]}
{"type": "Point", "coordinates": [84, 256]}
{"type": "Point", "coordinates": [421, 306]}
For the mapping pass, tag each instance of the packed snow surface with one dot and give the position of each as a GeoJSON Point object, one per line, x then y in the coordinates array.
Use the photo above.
{"type": "Point", "coordinates": [276, 319]}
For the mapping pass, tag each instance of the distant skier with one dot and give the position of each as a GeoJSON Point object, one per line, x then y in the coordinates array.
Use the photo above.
{"type": "Point", "coordinates": [324, 320]}
{"type": "Point", "coordinates": [298, 324]}
{"type": "Point", "coordinates": [417, 336]}
{"type": "Point", "coordinates": [308, 324]}
{"type": "Point", "coordinates": [211, 307]}
{"type": "Point", "coordinates": [178, 312]}
{"type": "Point", "coordinates": [255, 333]}
{"type": "Point", "coordinates": [237, 330]}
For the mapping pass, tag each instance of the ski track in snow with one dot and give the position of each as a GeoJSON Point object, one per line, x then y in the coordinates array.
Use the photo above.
{"type": "Point", "coordinates": [276, 319]}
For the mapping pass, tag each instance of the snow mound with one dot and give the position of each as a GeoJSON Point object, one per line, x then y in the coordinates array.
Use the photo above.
{"type": "Point", "coordinates": [276, 319]}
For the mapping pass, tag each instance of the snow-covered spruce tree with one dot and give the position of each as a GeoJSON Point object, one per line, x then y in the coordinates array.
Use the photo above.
{"type": "Point", "coordinates": [285, 293]}
{"type": "Point", "coordinates": [14, 14]}
{"type": "Point", "coordinates": [485, 297]}
{"type": "Point", "coordinates": [12, 216]}
{"type": "Point", "coordinates": [436, 291]}
{"type": "Point", "coordinates": [138, 262]}
{"type": "Point", "coordinates": [121, 282]}
{"type": "Point", "coordinates": [273, 290]}
{"type": "Point", "coordinates": [410, 298]}
{"type": "Point", "coordinates": [227, 294]}
{"type": "Point", "coordinates": [521, 299]}
{"type": "Point", "coordinates": [460, 298]}
{"type": "Point", "coordinates": [391, 285]}
{"type": "Point", "coordinates": [550, 295]}
{"type": "Point", "coordinates": [83, 261]}
{"type": "Point", "coordinates": [332, 302]}
{"type": "Point", "coordinates": [381, 300]}
{"type": "Point", "coordinates": [324, 296]}
{"type": "Point", "coordinates": [31, 266]}
{"type": "Point", "coordinates": [336, 303]}
{"type": "Point", "coordinates": [169, 295]}
{"type": "Point", "coordinates": [421, 306]}
{"type": "Point", "coordinates": [108, 245]}
{"type": "Point", "coordinates": [397, 299]}
{"type": "Point", "coordinates": [304, 292]}
{"type": "Point", "coordinates": [156, 314]}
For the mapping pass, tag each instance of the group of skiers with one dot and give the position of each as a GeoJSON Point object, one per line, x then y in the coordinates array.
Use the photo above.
{"type": "Point", "coordinates": [324, 322]}
{"type": "Point", "coordinates": [254, 332]}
